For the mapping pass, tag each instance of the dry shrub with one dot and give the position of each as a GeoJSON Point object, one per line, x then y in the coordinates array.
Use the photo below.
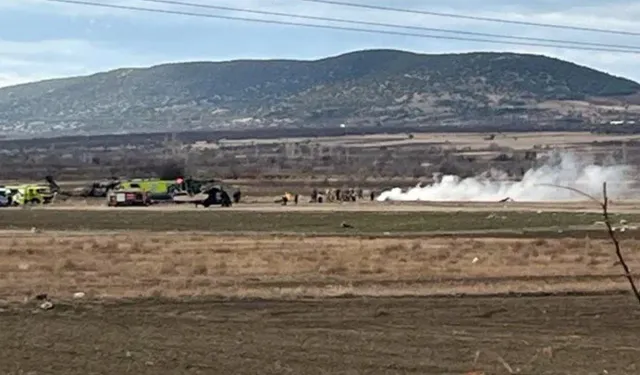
{"type": "Point", "coordinates": [221, 267]}
{"type": "Point", "coordinates": [66, 265]}
{"type": "Point", "coordinates": [574, 243]}
{"type": "Point", "coordinates": [517, 247]}
{"type": "Point", "coordinates": [394, 248]}
{"type": "Point", "coordinates": [168, 267]}
{"type": "Point", "coordinates": [540, 242]}
{"type": "Point", "coordinates": [199, 269]}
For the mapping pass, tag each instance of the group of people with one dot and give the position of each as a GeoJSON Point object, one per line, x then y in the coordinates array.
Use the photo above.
{"type": "Point", "coordinates": [329, 195]}
{"type": "Point", "coordinates": [340, 195]}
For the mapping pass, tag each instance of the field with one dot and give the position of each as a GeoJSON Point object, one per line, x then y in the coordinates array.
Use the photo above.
{"type": "Point", "coordinates": [278, 266]}
{"type": "Point", "coordinates": [272, 163]}
{"type": "Point", "coordinates": [486, 335]}
{"type": "Point", "coordinates": [327, 219]}
{"type": "Point", "coordinates": [354, 288]}
{"type": "Point", "coordinates": [220, 291]}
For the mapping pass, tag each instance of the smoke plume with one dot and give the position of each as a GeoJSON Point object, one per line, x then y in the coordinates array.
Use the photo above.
{"type": "Point", "coordinates": [564, 169]}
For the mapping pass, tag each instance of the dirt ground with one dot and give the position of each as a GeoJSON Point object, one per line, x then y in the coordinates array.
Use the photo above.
{"type": "Point", "coordinates": [489, 335]}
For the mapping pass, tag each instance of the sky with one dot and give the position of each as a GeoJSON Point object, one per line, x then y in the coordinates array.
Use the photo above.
{"type": "Point", "coordinates": [40, 39]}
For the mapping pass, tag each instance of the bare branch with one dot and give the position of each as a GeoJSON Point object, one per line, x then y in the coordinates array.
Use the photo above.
{"type": "Point", "coordinates": [616, 243]}
{"type": "Point", "coordinates": [575, 191]}
{"type": "Point", "coordinates": [604, 204]}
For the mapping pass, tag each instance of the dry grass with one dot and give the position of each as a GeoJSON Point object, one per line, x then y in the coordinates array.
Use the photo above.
{"type": "Point", "coordinates": [267, 266]}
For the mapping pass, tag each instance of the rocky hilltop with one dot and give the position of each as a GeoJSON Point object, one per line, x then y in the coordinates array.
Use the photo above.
{"type": "Point", "coordinates": [359, 88]}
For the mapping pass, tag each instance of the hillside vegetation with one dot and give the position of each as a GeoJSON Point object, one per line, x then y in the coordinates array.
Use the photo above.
{"type": "Point", "coordinates": [364, 87]}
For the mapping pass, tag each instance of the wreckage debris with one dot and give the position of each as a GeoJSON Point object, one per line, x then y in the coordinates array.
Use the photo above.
{"type": "Point", "coordinates": [46, 305]}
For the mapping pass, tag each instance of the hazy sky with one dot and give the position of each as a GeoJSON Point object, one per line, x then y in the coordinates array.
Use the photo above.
{"type": "Point", "coordinates": [41, 40]}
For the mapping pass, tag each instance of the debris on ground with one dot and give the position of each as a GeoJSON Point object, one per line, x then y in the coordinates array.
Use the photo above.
{"type": "Point", "coordinates": [46, 305]}
{"type": "Point", "coordinates": [78, 295]}
{"type": "Point", "coordinates": [494, 216]}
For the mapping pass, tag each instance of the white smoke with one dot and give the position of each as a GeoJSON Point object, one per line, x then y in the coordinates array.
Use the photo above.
{"type": "Point", "coordinates": [563, 169]}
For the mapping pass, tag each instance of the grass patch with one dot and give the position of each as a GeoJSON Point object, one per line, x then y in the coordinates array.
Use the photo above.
{"type": "Point", "coordinates": [302, 222]}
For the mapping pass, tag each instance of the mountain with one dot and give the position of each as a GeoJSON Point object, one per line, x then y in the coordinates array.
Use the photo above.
{"type": "Point", "coordinates": [359, 88]}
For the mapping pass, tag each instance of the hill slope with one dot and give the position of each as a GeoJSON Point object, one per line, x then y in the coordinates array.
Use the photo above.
{"type": "Point", "coordinates": [363, 87]}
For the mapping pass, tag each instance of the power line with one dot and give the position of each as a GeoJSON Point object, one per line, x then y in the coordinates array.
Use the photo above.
{"type": "Point", "coordinates": [368, 23]}
{"type": "Point", "coordinates": [343, 28]}
{"type": "Point", "coordinates": [475, 18]}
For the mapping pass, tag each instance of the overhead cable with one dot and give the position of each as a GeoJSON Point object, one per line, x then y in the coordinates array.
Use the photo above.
{"type": "Point", "coordinates": [343, 28]}
{"type": "Point", "coordinates": [475, 18]}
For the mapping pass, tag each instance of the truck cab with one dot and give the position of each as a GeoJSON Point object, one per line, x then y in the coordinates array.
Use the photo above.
{"type": "Point", "coordinates": [32, 194]}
